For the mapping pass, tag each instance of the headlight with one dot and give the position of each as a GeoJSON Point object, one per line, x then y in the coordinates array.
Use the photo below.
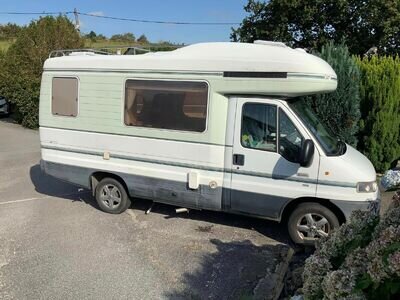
{"type": "Point", "coordinates": [367, 187]}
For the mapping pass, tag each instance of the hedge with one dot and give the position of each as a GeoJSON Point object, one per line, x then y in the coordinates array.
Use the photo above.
{"type": "Point", "coordinates": [21, 66]}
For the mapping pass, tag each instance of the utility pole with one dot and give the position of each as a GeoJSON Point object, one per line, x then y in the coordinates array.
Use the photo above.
{"type": "Point", "coordinates": [77, 25]}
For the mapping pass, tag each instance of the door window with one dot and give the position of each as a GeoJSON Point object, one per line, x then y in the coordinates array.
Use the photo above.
{"type": "Point", "coordinates": [259, 126]}
{"type": "Point", "coordinates": [290, 139]}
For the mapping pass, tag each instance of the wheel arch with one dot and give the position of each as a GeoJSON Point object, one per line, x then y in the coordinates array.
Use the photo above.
{"type": "Point", "coordinates": [97, 176]}
{"type": "Point", "coordinates": [290, 206]}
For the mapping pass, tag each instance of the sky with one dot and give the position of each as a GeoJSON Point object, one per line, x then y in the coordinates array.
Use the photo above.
{"type": "Point", "coordinates": [167, 10]}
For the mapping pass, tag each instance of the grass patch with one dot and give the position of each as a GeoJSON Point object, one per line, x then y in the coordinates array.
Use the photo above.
{"type": "Point", "coordinates": [5, 44]}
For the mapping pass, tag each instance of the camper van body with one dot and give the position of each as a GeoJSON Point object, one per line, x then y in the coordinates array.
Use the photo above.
{"type": "Point", "coordinates": [92, 127]}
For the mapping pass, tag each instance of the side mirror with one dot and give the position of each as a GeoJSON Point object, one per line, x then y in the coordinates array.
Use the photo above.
{"type": "Point", "coordinates": [306, 153]}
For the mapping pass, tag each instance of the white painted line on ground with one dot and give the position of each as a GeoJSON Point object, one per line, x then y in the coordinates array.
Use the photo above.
{"type": "Point", "coordinates": [41, 198]}
{"type": "Point", "coordinates": [23, 200]}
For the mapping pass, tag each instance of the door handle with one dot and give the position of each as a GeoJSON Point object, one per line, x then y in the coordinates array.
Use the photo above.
{"type": "Point", "coordinates": [238, 159]}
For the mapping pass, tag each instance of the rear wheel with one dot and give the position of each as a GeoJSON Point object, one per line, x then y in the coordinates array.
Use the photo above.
{"type": "Point", "coordinates": [111, 196]}
{"type": "Point", "coordinates": [309, 222]}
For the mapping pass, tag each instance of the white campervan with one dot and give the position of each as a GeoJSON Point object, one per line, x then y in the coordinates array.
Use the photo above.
{"type": "Point", "coordinates": [216, 126]}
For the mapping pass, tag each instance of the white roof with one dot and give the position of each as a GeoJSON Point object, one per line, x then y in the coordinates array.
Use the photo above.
{"type": "Point", "coordinates": [204, 57]}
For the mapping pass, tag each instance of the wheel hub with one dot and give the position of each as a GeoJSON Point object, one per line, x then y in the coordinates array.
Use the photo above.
{"type": "Point", "coordinates": [111, 196]}
{"type": "Point", "coordinates": [313, 226]}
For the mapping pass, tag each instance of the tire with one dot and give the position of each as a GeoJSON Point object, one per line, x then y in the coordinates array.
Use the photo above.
{"type": "Point", "coordinates": [111, 196]}
{"type": "Point", "coordinates": [310, 221]}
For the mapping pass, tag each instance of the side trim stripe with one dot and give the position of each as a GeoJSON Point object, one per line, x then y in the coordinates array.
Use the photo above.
{"type": "Point", "coordinates": [136, 136]}
{"type": "Point", "coordinates": [206, 168]}
{"type": "Point", "coordinates": [136, 71]}
{"type": "Point", "coordinates": [312, 76]}
{"type": "Point", "coordinates": [139, 159]}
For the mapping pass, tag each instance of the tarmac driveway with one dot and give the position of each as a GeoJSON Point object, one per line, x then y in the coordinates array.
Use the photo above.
{"type": "Point", "coordinates": [55, 243]}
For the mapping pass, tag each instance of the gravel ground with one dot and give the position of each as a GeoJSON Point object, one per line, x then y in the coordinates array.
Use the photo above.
{"type": "Point", "coordinates": [55, 243]}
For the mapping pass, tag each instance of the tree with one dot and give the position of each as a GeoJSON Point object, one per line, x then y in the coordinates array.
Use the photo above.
{"type": "Point", "coordinates": [311, 24]}
{"type": "Point", "coordinates": [116, 37]}
{"type": "Point", "coordinates": [92, 36]}
{"type": "Point", "coordinates": [340, 110]}
{"type": "Point", "coordinates": [22, 64]}
{"type": "Point", "coordinates": [142, 39]}
{"type": "Point", "coordinates": [9, 31]}
{"type": "Point", "coordinates": [380, 110]}
{"type": "Point", "coordinates": [164, 46]}
{"type": "Point", "coordinates": [101, 37]}
{"type": "Point", "coordinates": [126, 37]}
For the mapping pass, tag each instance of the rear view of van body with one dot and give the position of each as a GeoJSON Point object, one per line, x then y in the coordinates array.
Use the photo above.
{"type": "Point", "coordinates": [218, 126]}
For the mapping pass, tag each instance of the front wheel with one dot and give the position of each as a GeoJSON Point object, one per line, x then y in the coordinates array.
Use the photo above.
{"type": "Point", "coordinates": [310, 221]}
{"type": "Point", "coordinates": [111, 196]}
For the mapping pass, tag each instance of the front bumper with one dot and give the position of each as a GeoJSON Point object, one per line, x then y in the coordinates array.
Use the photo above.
{"type": "Point", "coordinates": [347, 207]}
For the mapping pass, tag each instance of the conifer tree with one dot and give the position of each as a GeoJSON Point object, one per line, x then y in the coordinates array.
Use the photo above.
{"type": "Point", "coordinates": [340, 110]}
{"type": "Point", "coordinates": [380, 110]}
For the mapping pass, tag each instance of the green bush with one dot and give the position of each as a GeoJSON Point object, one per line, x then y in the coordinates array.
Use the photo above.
{"type": "Point", "coordinates": [21, 66]}
{"type": "Point", "coordinates": [340, 110]}
{"type": "Point", "coordinates": [361, 260]}
{"type": "Point", "coordinates": [380, 110]}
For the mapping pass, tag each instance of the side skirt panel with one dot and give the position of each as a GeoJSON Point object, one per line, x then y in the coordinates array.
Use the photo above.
{"type": "Point", "coordinates": [174, 192]}
{"type": "Point", "coordinates": [160, 190]}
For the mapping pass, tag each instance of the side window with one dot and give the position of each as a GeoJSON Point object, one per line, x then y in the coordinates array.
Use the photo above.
{"type": "Point", "coordinates": [64, 98]}
{"type": "Point", "coordinates": [259, 126]}
{"type": "Point", "coordinates": [290, 139]}
{"type": "Point", "coordinates": [175, 105]}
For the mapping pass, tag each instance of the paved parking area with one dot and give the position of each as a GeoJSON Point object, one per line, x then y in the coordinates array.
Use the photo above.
{"type": "Point", "coordinates": [55, 243]}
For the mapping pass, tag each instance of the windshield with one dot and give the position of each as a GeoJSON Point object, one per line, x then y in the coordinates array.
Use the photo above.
{"type": "Point", "coordinates": [328, 141]}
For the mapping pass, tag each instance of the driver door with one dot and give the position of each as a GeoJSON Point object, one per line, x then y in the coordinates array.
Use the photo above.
{"type": "Point", "coordinates": [266, 174]}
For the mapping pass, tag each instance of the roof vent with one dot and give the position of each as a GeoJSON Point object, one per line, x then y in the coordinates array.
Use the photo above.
{"type": "Point", "coordinates": [270, 43]}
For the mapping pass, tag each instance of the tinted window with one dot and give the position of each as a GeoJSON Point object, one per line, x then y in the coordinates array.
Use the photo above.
{"type": "Point", "coordinates": [259, 126]}
{"type": "Point", "coordinates": [64, 96]}
{"type": "Point", "coordinates": [290, 139]}
{"type": "Point", "coordinates": [173, 105]}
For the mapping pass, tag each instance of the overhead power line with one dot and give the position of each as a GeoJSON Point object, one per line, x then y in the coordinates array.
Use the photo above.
{"type": "Point", "coordinates": [157, 21]}
{"type": "Point", "coordinates": [123, 19]}
{"type": "Point", "coordinates": [33, 13]}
